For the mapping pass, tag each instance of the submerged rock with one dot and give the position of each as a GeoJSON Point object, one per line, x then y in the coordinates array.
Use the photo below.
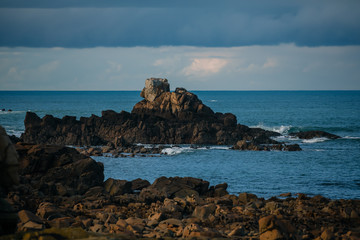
{"type": "Point", "coordinates": [314, 134]}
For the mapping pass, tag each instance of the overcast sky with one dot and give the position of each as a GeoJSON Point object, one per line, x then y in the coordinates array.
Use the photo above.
{"type": "Point", "coordinates": [198, 44]}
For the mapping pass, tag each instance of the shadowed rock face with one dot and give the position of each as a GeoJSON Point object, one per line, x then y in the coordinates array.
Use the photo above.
{"type": "Point", "coordinates": [162, 117]}
{"type": "Point", "coordinates": [58, 169]}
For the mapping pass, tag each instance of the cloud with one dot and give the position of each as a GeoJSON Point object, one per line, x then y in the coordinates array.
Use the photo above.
{"type": "Point", "coordinates": [202, 67]}
{"type": "Point", "coordinates": [270, 63]}
{"type": "Point", "coordinates": [282, 67]}
{"type": "Point", "coordinates": [48, 67]}
{"type": "Point", "coordinates": [91, 23]}
{"type": "Point", "coordinates": [113, 67]}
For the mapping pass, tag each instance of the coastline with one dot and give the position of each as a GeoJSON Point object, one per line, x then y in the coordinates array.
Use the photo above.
{"type": "Point", "coordinates": [168, 208]}
{"type": "Point", "coordinates": [60, 192]}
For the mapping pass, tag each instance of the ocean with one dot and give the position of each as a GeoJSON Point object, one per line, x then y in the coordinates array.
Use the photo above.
{"type": "Point", "coordinates": [326, 167]}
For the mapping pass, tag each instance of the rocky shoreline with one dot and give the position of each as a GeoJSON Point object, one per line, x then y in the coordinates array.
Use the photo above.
{"type": "Point", "coordinates": [61, 194]}
{"type": "Point", "coordinates": [57, 192]}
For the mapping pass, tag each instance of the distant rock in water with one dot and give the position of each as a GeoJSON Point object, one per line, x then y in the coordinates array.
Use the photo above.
{"type": "Point", "coordinates": [163, 117]}
{"type": "Point", "coordinates": [314, 134]}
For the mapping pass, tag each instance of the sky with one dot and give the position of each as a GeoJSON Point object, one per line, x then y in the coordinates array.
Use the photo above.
{"type": "Point", "coordinates": [198, 44]}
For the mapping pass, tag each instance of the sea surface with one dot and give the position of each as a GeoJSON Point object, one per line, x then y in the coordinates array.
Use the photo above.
{"type": "Point", "coordinates": [327, 167]}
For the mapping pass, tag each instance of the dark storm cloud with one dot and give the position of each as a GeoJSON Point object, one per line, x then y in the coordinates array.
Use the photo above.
{"type": "Point", "coordinates": [89, 23]}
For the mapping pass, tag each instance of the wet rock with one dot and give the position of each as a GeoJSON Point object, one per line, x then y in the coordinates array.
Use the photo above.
{"type": "Point", "coordinates": [314, 134]}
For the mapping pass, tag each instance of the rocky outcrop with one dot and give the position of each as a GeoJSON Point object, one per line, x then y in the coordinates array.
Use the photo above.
{"type": "Point", "coordinates": [58, 170]}
{"type": "Point", "coordinates": [314, 134]}
{"type": "Point", "coordinates": [163, 117]}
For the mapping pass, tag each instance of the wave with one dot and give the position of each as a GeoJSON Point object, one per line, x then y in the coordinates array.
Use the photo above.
{"type": "Point", "coordinates": [283, 129]}
{"type": "Point", "coordinates": [315, 140]}
{"type": "Point", "coordinates": [213, 100]}
{"type": "Point", "coordinates": [351, 137]}
{"type": "Point", "coordinates": [11, 112]}
{"type": "Point", "coordinates": [176, 150]}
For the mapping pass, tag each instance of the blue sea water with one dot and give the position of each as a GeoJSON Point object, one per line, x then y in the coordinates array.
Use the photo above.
{"type": "Point", "coordinates": [327, 167]}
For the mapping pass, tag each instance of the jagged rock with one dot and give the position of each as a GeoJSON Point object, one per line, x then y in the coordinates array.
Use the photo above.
{"type": "Point", "coordinates": [51, 165]}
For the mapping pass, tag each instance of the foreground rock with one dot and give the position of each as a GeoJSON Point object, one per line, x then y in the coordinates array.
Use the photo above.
{"type": "Point", "coordinates": [8, 178]}
{"type": "Point", "coordinates": [58, 170]}
{"type": "Point", "coordinates": [58, 208]}
{"type": "Point", "coordinates": [163, 117]}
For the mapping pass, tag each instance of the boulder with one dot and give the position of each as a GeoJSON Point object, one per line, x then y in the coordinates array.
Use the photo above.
{"type": "Point", "coordinates": [154, 87]}
{"type": "Point", "coordinates": [117, 187]}
{"type": "Point", "coordinates": [58, 169]}
{"type": "Point", "coordinates": [164, 187]}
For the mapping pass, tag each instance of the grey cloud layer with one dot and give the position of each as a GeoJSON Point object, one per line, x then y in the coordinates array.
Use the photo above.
{"type": "Point", "coordinates": [198, 23]}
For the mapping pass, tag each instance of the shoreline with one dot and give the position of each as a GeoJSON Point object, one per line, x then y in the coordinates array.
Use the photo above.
{"type": "Point", "coordinates": [51, 199]}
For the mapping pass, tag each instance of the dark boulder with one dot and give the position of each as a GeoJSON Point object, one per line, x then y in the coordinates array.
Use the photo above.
{"type": "Point", "coordinates": [164, 187]}
{"type": "Point", "coordinates": [314, 134]}
{"type": "Point", "coordinates": [55, 169]}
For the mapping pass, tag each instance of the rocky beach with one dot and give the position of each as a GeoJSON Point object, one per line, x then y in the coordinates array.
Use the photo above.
{"type": "Point", "coordinates": [50, 191]}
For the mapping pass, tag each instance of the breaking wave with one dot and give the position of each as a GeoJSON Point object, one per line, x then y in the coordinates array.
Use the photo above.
{"type": "Point", "coordinates": [315, 140]}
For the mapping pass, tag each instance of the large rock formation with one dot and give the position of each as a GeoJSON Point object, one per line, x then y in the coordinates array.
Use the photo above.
{"type": "Point", "coordinates": [162, 117]}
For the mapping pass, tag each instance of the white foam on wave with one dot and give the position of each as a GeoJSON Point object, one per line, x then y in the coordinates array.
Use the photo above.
{"type": "Point", "coordinates": [283, 129]}
{"type": "Point", "coordinates": [213, 100]}
{"type": "Point", "coordinates": [286, 138]}
{"type": "Point", "coordinates": [175, 150]}
{"type": "Point", "coordinates": [220, 147]}
{"type": "Point", "coordinates": [351, 137]}
{"type": "Point", "coordinates": [315, 140]}
{"type": "Point", "coordinates": [11, 112]}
